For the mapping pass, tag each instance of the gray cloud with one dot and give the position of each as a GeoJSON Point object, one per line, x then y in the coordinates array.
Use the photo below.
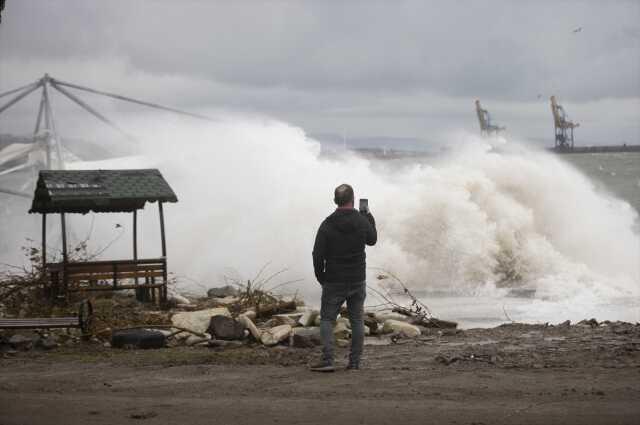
{"type": "Point", "coordinates": [341, 64]}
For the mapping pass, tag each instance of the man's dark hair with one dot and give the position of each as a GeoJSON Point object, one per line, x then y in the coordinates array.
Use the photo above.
{"type": "Point", "coordinates": [343, 195]}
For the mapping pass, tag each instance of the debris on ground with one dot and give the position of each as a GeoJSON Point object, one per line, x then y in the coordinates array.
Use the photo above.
{"type": "Point", "coordinates": [253, 319]}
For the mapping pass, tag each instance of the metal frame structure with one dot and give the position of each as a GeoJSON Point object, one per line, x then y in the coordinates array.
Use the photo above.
{"type": "Point", "coordinates": [45, 133]}
{"type": "Point", "coordinates": [562, 126]}
{"type": "Point", "coordinates": [484, 118]}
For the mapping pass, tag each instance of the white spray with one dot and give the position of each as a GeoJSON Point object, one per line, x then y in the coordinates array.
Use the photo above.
{"type": "Point", "coordinates": [473, 222]}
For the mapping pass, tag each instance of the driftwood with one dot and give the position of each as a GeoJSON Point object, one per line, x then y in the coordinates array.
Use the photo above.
{"type": "Point", "coordinates": [275, 308]}
{"type": "Point", "coordinates": [179, 330]}
{"type": "Point", "coordinates": [422, 320]}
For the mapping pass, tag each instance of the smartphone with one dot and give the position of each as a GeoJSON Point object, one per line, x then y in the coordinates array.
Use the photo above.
{"type": "Point", "coordinates": [364, 205]}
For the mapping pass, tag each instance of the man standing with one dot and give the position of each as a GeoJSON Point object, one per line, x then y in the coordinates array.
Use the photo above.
{"type": "Point", "coordinates": [340, 267]}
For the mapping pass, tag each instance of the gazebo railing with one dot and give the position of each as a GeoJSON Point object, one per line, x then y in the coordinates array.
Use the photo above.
{"type": "Point", "coordinates": [139, 274]}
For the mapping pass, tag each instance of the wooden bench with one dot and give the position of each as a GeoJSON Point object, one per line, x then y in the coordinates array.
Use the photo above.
{"type": "Point", "coordinates": [148, 275]}
{"type": "Point", "coordinates": [82, 321]}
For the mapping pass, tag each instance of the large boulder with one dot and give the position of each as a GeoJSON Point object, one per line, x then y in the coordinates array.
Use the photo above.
{"type": "Point", "coordinates": [308, 318]}
{"type": "Point", "coordinates": [402, 328]}
{"type": "Point", "coordinates": [306, 337]}
{"type": "Point", "coordinates": [275, 335]}
{"type": "Point", "coordinates": [225, 327]}
{"type": "Point", "coordinates": [21, 342]}
{"type": "Point", "coordinates": [197, 321]}
{"type": "Point", "coordinates": [222, 292]}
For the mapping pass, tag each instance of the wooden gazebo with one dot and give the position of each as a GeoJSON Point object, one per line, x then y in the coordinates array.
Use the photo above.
{"type": "Point", "coordinates": [103, 191]}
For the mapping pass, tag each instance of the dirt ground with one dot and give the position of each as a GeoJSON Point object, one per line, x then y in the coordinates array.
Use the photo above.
{"type": "Point", "coordinates": [515, 374]}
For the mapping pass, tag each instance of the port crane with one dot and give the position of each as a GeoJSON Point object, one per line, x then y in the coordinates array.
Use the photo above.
{"type": "Point", "coordinates": [486, 127]}
{"type": "Point", "coordinates": [563, 127]}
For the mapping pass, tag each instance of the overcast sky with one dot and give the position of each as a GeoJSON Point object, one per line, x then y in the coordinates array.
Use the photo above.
{"type": "Point", "coordinates": [390, 69]}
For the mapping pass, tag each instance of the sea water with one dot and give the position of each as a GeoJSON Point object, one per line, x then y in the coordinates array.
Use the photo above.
{"type": "Point", "coordinates": [466, 230]}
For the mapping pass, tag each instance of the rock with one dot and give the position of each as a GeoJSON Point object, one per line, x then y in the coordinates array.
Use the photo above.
{"type": "Point", "coordinates": [403, 328]}
{"type": "Point", "coordinates": [344, 320]}
{"type": "Point", "coordinates": [286, 319]}
{"type": "Point", "coordinates": [342, 343]}
{"type": "Point", "coordinates": [308, 318]}
{"type": "Point", "coordinates": [306, 337]}
{"type": "Point", "coordinates": [195, 340]}
{"type": "Point", "coordinates": [367, 331]}
{"type": "Point", "coordinates": [316, 321]}
{"type": "Point", "coordinates": [564, 324]}
{"type": "Point", "coordinates": [178, 299]}
{"type": "Point", "coordinates": [341, 329]}
{"type": "Point", "coordinates": [250, 313]}
{"type": "Point", "coordinates": [275, 335]}
{"type": "Point", "coordinates": [221, 292]}
{"type": "Point", "coordinates": [197, 321]}
{"type": "Point", "coordinates": [591, 323]}
{"type": "Point", "coordinates": [225, 327]}
{"type": "Point", "coordinates": [21, 342]}
{"type": "Point", "coordinates": [226, 300]}
{"type": "Point", "coordinates": [300, 341]}
{"type": "Point", "coordinates": [248, 324]}
{"type": "Point", "coordinates": [371, 322]}
{"type": "Point", "coordinates": [217, 343]}
{"type": "Point", "coordinates": [48, 343]}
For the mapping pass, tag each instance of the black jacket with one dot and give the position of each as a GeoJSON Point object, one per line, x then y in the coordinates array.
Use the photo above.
{"type": "Point", "coordinates": [338, 253]}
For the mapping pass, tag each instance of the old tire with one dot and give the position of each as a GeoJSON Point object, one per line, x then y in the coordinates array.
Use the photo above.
{"type": "Point", "coordinates": [137, 338]}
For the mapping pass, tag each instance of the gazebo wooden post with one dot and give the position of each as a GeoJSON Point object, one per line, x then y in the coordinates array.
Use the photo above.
{"type": "Point", "coordinates": [164, 243]}
{"type": "Point", "coordinates": [163, 296]}
{"type": "Point", "coordinates": [135, 235]}
{"type": "Point", "coordinates": [139, 295]}
{"type": "Point", "coordinates": [64, 251]}
{"type": "Point", "coordinates": [49, 290]}
{"type": "Point", "coordinates": [44, 242]}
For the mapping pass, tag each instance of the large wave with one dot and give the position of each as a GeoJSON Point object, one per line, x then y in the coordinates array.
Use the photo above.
{"type": "Point", "coordinates": [474, 221]}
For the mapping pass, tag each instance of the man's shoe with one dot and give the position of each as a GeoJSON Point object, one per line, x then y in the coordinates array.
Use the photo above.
{"type": "Point", "coordinates": [322, 366]}
{"type": "Point", "coordinates": [353, 366]}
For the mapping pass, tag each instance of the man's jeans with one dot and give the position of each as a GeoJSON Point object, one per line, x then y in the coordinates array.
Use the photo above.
{"type": "Point", "coordinates": [333, 296]}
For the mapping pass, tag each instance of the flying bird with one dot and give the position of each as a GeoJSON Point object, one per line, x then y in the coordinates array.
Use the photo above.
{"type": "Point", "coordinates": [577, 30]}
